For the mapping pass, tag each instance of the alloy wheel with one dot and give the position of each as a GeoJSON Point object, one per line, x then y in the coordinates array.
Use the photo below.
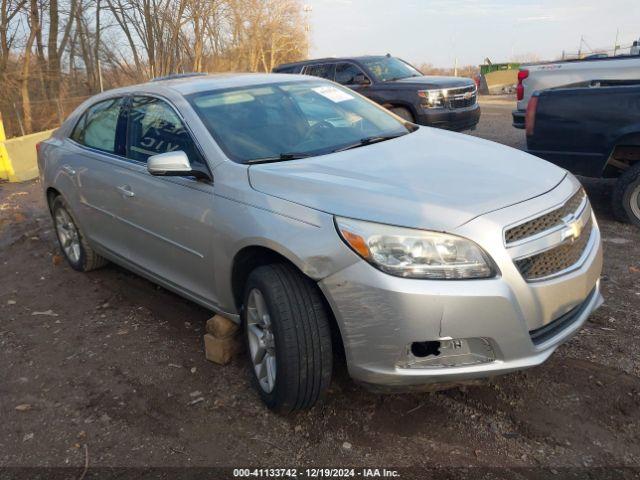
{"type": "Point", "coordinates": [261, 340]}
{"type": "Point", "coordinates": [68, 235]}
{"type": "Point", "coordinates": [635, 201]}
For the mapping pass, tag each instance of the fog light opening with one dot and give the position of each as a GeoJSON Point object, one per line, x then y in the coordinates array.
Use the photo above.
{"type": "Point", "coordinates": [425, 349]}
{"type": "Point", "coordinates": [447, 352]}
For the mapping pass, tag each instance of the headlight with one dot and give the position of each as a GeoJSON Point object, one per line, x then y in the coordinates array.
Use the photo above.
{"type": "Point", "coordinates": [433, 98]}
{"type": "Point", "coordinates": [410, 253]}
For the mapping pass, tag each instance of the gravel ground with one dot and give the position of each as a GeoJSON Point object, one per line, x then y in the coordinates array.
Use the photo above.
{"type": "Point", "coordinates": [104, 368]}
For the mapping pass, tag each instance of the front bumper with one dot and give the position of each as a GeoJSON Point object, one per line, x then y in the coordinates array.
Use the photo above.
{"type": "Point", "coordinates": [380, 315]}
{"type": "Point", "coordinates": [450, 119]}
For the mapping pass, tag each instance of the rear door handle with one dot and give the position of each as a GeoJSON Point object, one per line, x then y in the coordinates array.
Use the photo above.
{"type": "Point", "coordinates": [68, 169]}
{"type": "Point", "coordinates": [126, 191]}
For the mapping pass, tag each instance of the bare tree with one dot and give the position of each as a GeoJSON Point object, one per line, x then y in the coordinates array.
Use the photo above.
{"type": "Point", "coordinates": [56, 52]}
{"type": "Point", "coordinates": [9, 9]}
{"type": "Point", "coordinates": [34, 28]}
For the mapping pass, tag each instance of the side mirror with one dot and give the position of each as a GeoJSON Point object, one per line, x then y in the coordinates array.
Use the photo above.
{"type": "Point", "coordinates": [169, 163]}
{"type": "Point", "coordinates": [173, 164]}
{"type": "Point", "coordinates": [361, 79]}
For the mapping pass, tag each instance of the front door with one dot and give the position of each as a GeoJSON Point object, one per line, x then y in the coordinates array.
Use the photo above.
{"type": "Point", "coordinates": [170, 219]}
{"type": "Point", "coordinates": [348, 74]}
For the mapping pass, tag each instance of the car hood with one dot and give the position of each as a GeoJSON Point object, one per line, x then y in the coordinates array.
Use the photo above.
{"type": "Point", "coordinates": [430, 81]}
{"type": "Point", "coordinates": [430, 179]}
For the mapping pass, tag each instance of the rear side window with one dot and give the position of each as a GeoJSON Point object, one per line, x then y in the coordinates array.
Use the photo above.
{"type": "Point", "coordinates": [98, 126]}
{"type": "Point", "coordinates": [154, 127]}
{"type": "Point", "coordinates": [324, 70]}
{"type": "Point", "coordinates": [346, 73]}
{"type": "Point", "coordinates": [290, 69]}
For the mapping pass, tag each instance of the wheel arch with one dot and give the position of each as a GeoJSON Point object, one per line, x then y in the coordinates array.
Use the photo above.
{"type": "Point", "coordinates": [630, 140]}
{"type": "Point", "coordinates": [401, 104]}
{"type": "Point", "coordinates": [51, 194]}
{"type": "Point", "coordinates": [251, 257]}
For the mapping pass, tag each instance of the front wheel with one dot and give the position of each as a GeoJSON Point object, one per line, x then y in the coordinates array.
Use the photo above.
{"type": "Point", "coordinates": [626, 196]}
{"type": "Point", "coordinates": [403, 113]}
{"type": "Point", "coordinates": [288, 337]}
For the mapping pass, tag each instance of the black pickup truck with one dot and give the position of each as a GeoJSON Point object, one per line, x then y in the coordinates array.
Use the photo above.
{"type": "Point", "coordinates": [592, 129]}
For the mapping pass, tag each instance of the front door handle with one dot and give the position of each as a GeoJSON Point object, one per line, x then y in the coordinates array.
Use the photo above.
{"type": "Point", "coordinates": [69, 169]}
{"type": "Point", "coordinates": [126, 191]}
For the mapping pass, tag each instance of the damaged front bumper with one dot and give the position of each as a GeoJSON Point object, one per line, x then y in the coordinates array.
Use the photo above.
{"type": "Point", "coordinates": [382, 317]}
{"type": "Point", "coordinates": [408, 334]}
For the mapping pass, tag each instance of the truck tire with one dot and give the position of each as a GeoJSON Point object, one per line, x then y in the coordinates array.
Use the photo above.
{"type": "Point", "coordinates": [73, 244]}
{"type": "Point", "coordinates": [403, 113]}
{"type": "Point", "coordinates": [626, 196]}
{"type": "Point", "coordinates": [286, 328]}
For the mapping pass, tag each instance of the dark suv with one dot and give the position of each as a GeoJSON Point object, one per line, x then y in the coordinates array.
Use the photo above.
{"type": "Point", "coordinates": [444, 102]}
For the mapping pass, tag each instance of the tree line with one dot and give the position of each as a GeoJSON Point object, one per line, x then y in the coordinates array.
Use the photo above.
{"type": "Point", "coordinates": [55, 53]}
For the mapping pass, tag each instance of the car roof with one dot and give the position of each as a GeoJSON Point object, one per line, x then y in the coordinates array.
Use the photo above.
{"type": "Point", "coordinates": [332, 59]}
{"type": "Point", "coordinates": [186, 85]}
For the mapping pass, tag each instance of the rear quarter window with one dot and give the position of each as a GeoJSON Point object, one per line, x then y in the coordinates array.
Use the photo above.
{"type": "Point", "coordinates": [97, 128]}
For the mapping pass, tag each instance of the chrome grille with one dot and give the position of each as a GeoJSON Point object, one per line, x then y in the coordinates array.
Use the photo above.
{"type": "Point", "coordinates": [456, 97]}
{"type": "Point", "coordinates": [555, 260]}
{"type": "Point", "coordinates": [546, 221]}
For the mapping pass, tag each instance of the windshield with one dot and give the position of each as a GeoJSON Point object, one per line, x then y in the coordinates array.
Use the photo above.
{"type": "Point", "coordinates": [291, 120]}
{"type": "Point", "coordinates": [385, 69]}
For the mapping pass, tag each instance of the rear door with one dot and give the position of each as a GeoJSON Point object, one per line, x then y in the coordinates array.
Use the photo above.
{"type": "Point", "coordinates": [322, 70]}
{"type": "Point", "coordinates": [96, 148]}
{"type": "Point", "coordinates": [169, 219]}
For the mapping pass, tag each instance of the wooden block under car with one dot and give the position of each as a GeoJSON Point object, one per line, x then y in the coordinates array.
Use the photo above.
{"type": "Point", "coordinates": [222, 350]}
{"type": "Point", "coordinates": [221, 327]}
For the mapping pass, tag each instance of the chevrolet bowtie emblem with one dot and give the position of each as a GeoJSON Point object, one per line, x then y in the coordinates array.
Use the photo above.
{"type": "Point", "coordinates": [467, 95]}
{"type": "Point", "coordinates": [573, 228]}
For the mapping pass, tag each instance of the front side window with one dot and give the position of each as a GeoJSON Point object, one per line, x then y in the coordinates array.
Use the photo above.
{"type": "Point", "coordinates": [97, 128]}
{"type": "Point", "coordinates": [386, 69]}
{"type": "Point", "coordinates": [346, 73]}
{"type": "Point", "coordinates": [291, 118]}
{"type": "Point", "coordinates": [324, 70]}
{"type": "Point", "coordinates": [154, 128]}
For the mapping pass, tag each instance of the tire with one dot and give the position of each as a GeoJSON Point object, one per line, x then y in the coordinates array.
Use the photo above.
{"type": "Point", "coordinates": [298, 337]}
{"type": "Point", "coordinates": [403, 113]}
{"type": "Point", "coordinates": [78, 253]}
{"type": "Point", "coordinates": [626, 196]}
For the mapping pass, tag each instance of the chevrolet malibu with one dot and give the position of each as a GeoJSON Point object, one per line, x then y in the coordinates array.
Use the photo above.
{"type": "Point", "coordinates": [322, 222]}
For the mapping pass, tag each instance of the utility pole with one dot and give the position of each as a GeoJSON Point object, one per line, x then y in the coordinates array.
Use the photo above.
{"type": "Point", "coordinates": [580, 47]}
{"type": "Point", "coordinates": [100, 76]}
{"type": "Point", "coordinates": [307, 9]}
{"type": "Point", "coordinates": [615, 45]}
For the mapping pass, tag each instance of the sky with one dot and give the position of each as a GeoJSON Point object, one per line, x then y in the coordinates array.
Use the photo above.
{"type": "Point", "coordinates": [439, 31]}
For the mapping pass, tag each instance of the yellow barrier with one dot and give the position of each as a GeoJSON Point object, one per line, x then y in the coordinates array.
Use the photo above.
{"type": "Point", "coordinates": [6, 171]}
{"type": "Point", "coordinates": [18, 158]}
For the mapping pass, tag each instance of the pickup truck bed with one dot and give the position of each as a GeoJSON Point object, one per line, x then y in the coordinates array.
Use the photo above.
{"type": "Point", "coordinates": [542, 76]}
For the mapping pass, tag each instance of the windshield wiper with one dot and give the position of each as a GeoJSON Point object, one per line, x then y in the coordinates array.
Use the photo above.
{"type": "Point", "coordinates": [279, 158]}
{"type": "Point", "coordinates": [368, 141]}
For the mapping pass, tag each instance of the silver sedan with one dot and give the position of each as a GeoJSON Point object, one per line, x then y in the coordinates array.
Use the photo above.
{"type": "Point", "coordinates": [320, 221]}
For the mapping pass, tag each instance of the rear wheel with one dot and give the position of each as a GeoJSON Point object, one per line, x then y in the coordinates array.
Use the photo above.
{"type": "Point", "coordinates": [626, 196]}
{"type": "Point", "coordinates": [288, 337]}
{"type": "Point", "coordinates": [74, 246]}
{"type": "Point", "coordinates": [403, 113]}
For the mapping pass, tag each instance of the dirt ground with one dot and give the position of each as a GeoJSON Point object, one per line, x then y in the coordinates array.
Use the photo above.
{"type": "Point", "coordinates": [107, 368]}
